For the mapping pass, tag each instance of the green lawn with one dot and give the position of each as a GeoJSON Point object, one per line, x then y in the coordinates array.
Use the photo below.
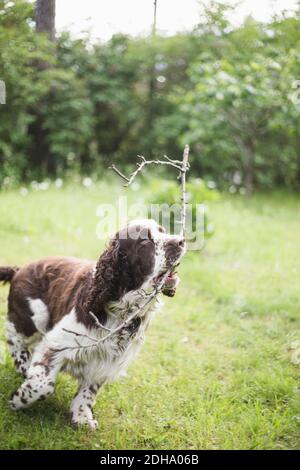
{"type": "Point", "coordinates": [217, 370]}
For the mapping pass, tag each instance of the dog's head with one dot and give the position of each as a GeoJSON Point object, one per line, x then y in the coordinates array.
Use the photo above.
{"type": "Point", "coordinates": [140, 253]}
{"type": "Point", "coordinates": [150, 252]}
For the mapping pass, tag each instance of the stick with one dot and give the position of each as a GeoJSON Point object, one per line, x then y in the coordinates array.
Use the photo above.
{"type": "Point", "coordinates": [183, 166]}
{"type": "Point", "coordinates": [185, 161]}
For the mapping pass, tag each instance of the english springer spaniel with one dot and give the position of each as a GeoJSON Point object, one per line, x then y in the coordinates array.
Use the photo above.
{"type": "Point", "coordinates": [58, 307]}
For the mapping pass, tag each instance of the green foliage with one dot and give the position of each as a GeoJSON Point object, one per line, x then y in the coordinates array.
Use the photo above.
{"type": "Point", "coordinates": [242, 114]}
{"type": "Point", "coordinates": [198, 191]}
{"type": "Point", "coordinates": [232, 94]}
{"type": "Point", "coordinates": [19, 49]}
{"type": "Point", "coordinates": [198, 194]}
{"type": "Point", "coordinates": [68, 97]}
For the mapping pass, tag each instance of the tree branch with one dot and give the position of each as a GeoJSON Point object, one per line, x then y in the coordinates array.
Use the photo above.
{"type": "Point", "coordinates": [183, 166]}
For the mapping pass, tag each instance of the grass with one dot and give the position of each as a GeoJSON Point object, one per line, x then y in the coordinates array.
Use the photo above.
{"type": "Point", "coordinates": [217, 370]}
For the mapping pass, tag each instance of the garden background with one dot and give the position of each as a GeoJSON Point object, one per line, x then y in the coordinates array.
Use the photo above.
{"type": "Point", "coordinates": [222, 357]}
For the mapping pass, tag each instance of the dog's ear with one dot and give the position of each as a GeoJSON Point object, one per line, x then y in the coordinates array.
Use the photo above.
{"type": "Point", "coordinates": [104, 284]}
{"type": "Point", "coordinates": [126, 274]}
{"type": "Point", "coordinates": [107, 276]}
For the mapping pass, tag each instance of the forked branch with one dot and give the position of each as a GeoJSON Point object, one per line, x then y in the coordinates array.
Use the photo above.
{"type": "Point", "coordinates": [182, 166]}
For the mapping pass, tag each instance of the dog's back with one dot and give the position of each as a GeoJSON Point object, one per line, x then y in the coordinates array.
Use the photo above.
{"type": "Point", "coordinates": [47, 287]}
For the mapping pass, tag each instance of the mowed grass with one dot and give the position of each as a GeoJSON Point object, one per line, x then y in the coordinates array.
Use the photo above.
{"type": "Point", "coordinates": [217, 370]}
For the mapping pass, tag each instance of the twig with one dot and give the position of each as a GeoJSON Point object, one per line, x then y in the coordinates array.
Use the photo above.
{"type": "Point", "coordinates": [113, 167]}
{"type": "Point", "coordinates": [98, 322]}
{"type": "Point", "coordinates": [185, 161]}
{"type": "Point", "coordinates": [174, 163]}
{"type": "Point", "coordinates": [75, 333]}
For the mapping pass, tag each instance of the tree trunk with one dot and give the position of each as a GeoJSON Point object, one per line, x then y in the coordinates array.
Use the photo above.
{"type": "Point", "coordinates": [249, 168]}
{"type": "Point", "coordinates": [152, 88]}
{"type": "Point", "coordinates": [249, 179]}
{"type": "Point", "coordinates": [45, 17]}
{"type": "Point", "coordinates": [247, 148]}
{"type": "Point", "coordinates": [41, 155]}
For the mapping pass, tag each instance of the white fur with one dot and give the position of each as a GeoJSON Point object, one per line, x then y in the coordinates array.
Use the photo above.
{"type": "Point", "coordinates": [40, 312]}
{"type": "Point", "coordinates": [81, 407]}
{"type": "Point", "coordinates": [105, 361]}
{"type": "Point", "coordinates": [18, 348]}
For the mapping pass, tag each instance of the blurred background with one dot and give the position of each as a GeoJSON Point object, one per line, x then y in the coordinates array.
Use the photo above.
{"type": "Point", "coordinates": [90, 83]}
{"type": "Point", "coordinates": [115, 81]}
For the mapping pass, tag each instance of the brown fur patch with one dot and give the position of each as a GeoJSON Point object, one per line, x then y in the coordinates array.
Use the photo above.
{"type": "Point", "coordinates": [56, 281]}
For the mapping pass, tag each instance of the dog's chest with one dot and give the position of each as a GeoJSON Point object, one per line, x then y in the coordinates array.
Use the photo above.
{"type": "Point", "coordinates": [111, 358]}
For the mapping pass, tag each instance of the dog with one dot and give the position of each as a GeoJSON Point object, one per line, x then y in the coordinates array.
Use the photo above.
{"type": "Point", "coordinates": [60, 310]}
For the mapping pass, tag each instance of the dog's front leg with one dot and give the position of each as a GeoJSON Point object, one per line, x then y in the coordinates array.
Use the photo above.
{"type": "Point", "coordinates": [41, 377]}
{"type": "Point", "coordinates": [82, 404]}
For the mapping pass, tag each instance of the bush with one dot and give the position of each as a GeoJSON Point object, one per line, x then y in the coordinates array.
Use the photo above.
{"type": "Point", "coordinates": [167, 193]}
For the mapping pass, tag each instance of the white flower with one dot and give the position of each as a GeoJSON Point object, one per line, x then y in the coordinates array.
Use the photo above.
{"type": "Point", "coordinates": [161, 79]}
{"type": "Point", "coordinates": [44, 186]}
{"type": "Point", "coordinates": [23, 192]}
{"type": "Point", "coordinates": [237, 177]}
{"type": "Point", "coordinates": [211, 185]}
{"type": "Point", "coordinates": [185, 339]}
{"type": "Point", "coordinates": [58, 183]}
{"type": "Point", "coordinates": [34, 185]}
{"type": "Point", "coordinates": [87, 182]}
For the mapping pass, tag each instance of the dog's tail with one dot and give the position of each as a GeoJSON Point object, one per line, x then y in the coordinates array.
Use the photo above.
{"type": "Point", "coordinates": [7, 273]}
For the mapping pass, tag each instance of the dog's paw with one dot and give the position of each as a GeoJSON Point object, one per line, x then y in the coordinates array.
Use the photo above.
{"type": "Point", "coordinates": [17, 402]}
{"type": "Point", "coordinates": [82, 420]}
{"type": "Point", "coordinates": [93, 424]}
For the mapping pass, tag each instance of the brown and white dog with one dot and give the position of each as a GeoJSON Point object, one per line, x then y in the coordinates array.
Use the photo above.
{"type": "Point", "coordinates": [50, 324]}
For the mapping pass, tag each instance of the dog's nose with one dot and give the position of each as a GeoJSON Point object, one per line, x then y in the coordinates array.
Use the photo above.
{"type": "Point", "coordinates": [179, 241]}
